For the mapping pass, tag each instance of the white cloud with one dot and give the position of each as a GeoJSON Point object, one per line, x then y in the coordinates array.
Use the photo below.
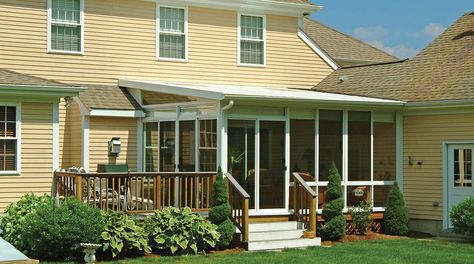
{"type": "Point", "coordinates": [371, 33]}
{"type": "Point", "coordinates": [433, 30]}
{"type": "Point", "coordinates": [400, 50]}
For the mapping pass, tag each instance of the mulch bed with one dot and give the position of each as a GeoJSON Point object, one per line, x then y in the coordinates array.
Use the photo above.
{"type": "Point", "coordinates": [368, 236]}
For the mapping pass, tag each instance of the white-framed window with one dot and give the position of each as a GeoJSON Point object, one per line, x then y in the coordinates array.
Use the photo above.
{"type": "Point", "coordinates": [251, 40]}
{"type": "Point", "coordinates": [172, 33]}
{"type": "Point", "coordinates": [66, 26]}
{"type": "Point", "coordinates": [9, 138]}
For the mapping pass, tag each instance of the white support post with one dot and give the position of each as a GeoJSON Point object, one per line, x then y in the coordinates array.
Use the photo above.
{"type": "Point", "coordinates": [345, 153]}
{"type": "Point", "coordinates": [399, 149]}
{"type": "Point", "coordinates": [140, 145]}
{"type": "Point", "coordinates": [316, 152]}
{"type": "Point", "coordinates": [287, 158]}
{"type": "Point", "coordinates": [55, 136]}
{"type": "Point", "coordinates": [372, 188]}
{"type": "Point", "coordinates": [176, 156]}
{"type": "Point", "coordinates": [85, 140]}
{"type": "Point", "coordinates": [197, 144]}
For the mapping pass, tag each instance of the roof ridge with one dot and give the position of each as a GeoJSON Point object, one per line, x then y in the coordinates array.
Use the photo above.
{"type": "Point", "coordinates": [349, 36]}
{"type": "Point", "coordinates": [375, 64]}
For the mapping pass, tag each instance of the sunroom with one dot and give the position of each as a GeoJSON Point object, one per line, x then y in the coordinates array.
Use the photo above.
{"type": "Point", "coordinates": [261, 135]}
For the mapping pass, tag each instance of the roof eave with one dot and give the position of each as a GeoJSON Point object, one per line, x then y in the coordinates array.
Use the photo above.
{"type": "Point", "coordinates": [40, 90]}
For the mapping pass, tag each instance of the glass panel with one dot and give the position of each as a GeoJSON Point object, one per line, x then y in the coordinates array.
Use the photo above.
{"type": "Point", "coordinates": [330, 142]}
{"type": "Point", "coordinates": [272, 164]}
{"type": "Point", "coordinates": [302, 148]}
{"type": "Point", "coordinates": [359, 146]}
{"type": "Point", "coordinates": [384, 151]}
{"type": "Point", "coordinates": [208, 145]}
{"type": "Point", "coordinates": [167, 146]}
{"type": "Point", "coordinates": [381, 195]}
{"type": "Point", "coordinates": [462, 168]}
{"type": "Point", "coordinates": [67, 38]}
{"type": "Point", "coordinates": [7, 155]}
{"type": "Point", "coordinates": [357, 194]}
{"type": "Point", "coordinates": [151, 147]}
{"type": "Point", "coordinates": [172, 46]}
{"type": "Point", "coordinates": [241, 154]}
{"type": "Point", "coordinates": [187, 146]}
{"type": "Point", "coordinates": [171, 20]}
{"type": "Point", "coordinates": [10, 114]}
{"type": "Point", "coordinates": [251, 27]}
{"type": "Point", "coordinates": [251, 52]}
{"type": "Point", "coordinates": [66, 11]}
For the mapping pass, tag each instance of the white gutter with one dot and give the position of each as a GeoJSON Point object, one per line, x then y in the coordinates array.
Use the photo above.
{"type": "Point", "coordinates": [229, 106]}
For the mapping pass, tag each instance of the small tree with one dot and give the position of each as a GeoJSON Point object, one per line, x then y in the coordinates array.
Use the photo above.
{"type": "Point", "coordinates": [361, 217]}
{"type": "Point", "coordinates": [462, 217]}
{"type": "Point", "coordinates": [334, 227]}
{"type": "Point", "coordinates": [220, 211]}
{"type": "Point", "coordinates": [396, 213]}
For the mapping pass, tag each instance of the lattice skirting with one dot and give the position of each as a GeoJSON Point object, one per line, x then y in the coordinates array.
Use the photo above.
{"type": "Point", "coordinates": [375, 226]}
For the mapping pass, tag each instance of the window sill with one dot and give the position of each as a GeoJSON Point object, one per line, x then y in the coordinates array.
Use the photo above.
{"type": "Point", "coordinates": [252, 65]}
{"type": "Point", "coordinates": [77, 53]}
{"type": "Point", "coordinates": [10, 173]}
{"type": "Point", "coordinates": [172, 60]}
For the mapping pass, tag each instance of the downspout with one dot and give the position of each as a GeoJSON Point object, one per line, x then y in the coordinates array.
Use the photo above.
{"type": "Point", "coordinates": [222, 137]}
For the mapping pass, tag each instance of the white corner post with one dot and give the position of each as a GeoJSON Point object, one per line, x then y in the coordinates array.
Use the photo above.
{"type": "Point", "coordinates": [140, 143]}
{"type": "Point", "coordinates": [399, 149]}
{"type": "Point", "coordinates": [85, 142]}
{"type": "Point", "coordinates": [55, 136]}
{"type": "Point", "coordinates": [222, 139]}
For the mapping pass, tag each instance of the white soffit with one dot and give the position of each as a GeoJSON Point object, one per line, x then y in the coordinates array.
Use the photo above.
{"type": "Point", "coordinates": [220, 92]}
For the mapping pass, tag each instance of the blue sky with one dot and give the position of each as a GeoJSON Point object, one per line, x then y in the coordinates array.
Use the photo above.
{"type": "Point", "coordinates": [400, 27]}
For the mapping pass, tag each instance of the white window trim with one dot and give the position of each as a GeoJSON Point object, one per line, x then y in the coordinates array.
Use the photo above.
{"type": "Point", "coordinates": [18, 140]}
{"type": "Point", "coordinates": [186, 35]}
{"type": "Point", "coordinates": [49, 49]}
{"type": "Point", "coordinates": [239, 63]}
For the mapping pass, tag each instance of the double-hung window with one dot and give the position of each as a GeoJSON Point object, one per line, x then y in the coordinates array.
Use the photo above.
{"type": "Point", "coordinates": [66, 26]}
{"type": "Point", "coordinates": [172, 37]}
{"type": "Point", "coordinates": [8, 139]}
{"type": "Point", "coordinates": [252, 40]}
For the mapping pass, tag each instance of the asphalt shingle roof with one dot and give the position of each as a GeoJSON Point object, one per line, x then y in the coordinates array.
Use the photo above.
{"type": "Point", "coordinates": [109, 97]}
{"type": "Point", "coordinates": [341, 46]}
{"type": "Point", "coordinates": [444, 70]}
{"type": "Point", "coordinates": [8, 77]}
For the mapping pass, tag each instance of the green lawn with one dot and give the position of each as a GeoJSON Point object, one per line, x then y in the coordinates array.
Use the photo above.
{"type": "Point", "coordinates": [381, 251]}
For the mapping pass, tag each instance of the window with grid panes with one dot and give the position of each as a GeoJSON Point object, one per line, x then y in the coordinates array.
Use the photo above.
{"type": "Point", "coordinates": [8, 138]}
{"type": "Point", "coordinates": [252, 40]}
{"type": "Point", "coordinates": [208, 145]}
{"type": "Point", "coordinates": [66, 25]}
{"type": "Point", "coordinates": [172, 36]}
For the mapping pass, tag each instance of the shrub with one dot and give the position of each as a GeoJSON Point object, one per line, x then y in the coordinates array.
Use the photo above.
{"type": "Point", "coordinates": [361, 217]}
{"type": "Point", "coordinates": [122, 235]}
{"type": "Point", "coordinates": [220, 212]}
{"type": "Point", "coordinates": [462, 217]}
{"type": "Point", "coordinates": [56, 233]}
{"type": "Point", "coordinates": [334, 227]}
{"type": "Point", "coordinates": [180, 232]}
{"type": "Point", "coordinates": [396, 213]}
{"type": "Point", "coordinates": [11, 223]}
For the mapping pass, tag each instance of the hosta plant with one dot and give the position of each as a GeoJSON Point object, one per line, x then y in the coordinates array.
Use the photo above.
{"type": "Point", "coordinates": [122, 235]}
{"type": "Point", "coordinates": [180, 231]}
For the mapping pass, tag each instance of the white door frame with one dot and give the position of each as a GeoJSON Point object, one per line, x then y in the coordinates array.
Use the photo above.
{"type": "Point", "coordinates": [446, 186]}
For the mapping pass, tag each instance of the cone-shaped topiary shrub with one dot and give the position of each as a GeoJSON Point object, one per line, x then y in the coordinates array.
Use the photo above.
{"type": "Point", "coordinates": [396, 213]}
{"type": "Point", "coordinates": [220, 211]}
{"type": "Point", "coordinates": [334, 227]}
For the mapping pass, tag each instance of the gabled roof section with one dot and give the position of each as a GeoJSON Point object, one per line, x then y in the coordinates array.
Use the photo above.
{"type": "Point", "coordinates": [8, 77]}
{"type": "Point", "coordinates": [443, 71]}
{"type": "Point", "coordinates": [343, 48]}
{"type": "Point", "coordinates": [108, 97]}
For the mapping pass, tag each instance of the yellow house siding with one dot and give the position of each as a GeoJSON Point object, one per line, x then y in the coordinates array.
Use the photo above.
{"type": "Point", "coordinates": [120, 42]}
{"type": "Point", "coordinates": [423, 140]}
{"type": "Point", "coordinates": [102, 129]}
{"type": "Point", "coordinates": [36, 155]}
{"type": "Point", "coordinates": [70, 136]}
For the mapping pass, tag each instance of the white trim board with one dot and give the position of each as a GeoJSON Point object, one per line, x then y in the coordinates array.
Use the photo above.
{"type": "Point", "coordinates": [116, 113]}
{"type": "Point", "coordinates": [306, 39]}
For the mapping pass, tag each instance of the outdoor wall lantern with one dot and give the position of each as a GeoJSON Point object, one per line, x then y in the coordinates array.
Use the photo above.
{"type": "Point", "coordinates": [115, 146]}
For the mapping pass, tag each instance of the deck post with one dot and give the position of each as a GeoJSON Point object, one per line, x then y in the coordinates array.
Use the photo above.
{"type": "Point", "coordinates": [312, 218]}
{"type": "Point", "coordinates": [245, 223]}
{"type": "Point", "coordinates": [295, 200]}
{"type": "Point", "coordinates": [157, 192]}
{"type": "Point", "coordinates": [79, 188]}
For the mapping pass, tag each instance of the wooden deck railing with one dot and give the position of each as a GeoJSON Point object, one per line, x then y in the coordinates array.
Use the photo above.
{"type": "Point", "coordinates": [239, 203]}
{"type": "Point", "coordinates": [304, 204]}
{"type": "Point", "coordinates": [138, 192]}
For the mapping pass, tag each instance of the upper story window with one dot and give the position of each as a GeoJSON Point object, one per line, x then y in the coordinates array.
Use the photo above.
{"type": "Point", "coordinates": [8, 139]}
{"type": "Point", "coordinates": [172, 37]}
{"type": "Point", "coordinates": [252, 34]}
{"type": "Point", "coordinates": [66, 26]}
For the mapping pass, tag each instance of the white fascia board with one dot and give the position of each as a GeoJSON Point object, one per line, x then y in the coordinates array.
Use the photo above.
{"type": "Point", "coordinates": [261, 6]}
{"type": "Point", "coordinates": [317, 49]}
{"type": "Point", "coordinates": [170, 89]}
{"type": "Point", "coordinates": [440, 104]}
{"type": "Point", "coordinates": [116, 113]}
{"type": "Point", "coordinates": [49, 91]}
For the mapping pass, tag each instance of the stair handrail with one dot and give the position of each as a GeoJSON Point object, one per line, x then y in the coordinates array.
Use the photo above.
{"type": "Point", "coordinates": [239, 202]}
{"type": "Point", "coordinates": [304, 204]}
